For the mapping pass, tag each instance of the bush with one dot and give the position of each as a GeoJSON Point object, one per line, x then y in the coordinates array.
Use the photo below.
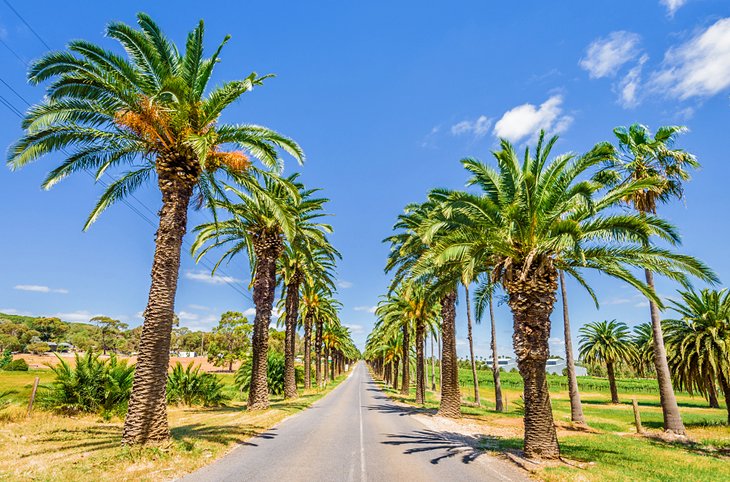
{"type": "Point", "coordinates": [274, 374]}
{"type": "Point", "coordinates": [4, 394]}
{"type": "Point", "coordinates": [18, 365]}
{"type": "Point", "coordinates": [92, 386]}
{"type": "Point", "coordinates": [191, 386]}
{"type": "Point", "coordinates": [6, 358]}
{"type": "Point", "coordinates": [38, 348]}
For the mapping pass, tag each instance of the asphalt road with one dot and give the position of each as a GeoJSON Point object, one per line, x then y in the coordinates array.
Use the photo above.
{"type": "Point", "coordinates": [355, 434]}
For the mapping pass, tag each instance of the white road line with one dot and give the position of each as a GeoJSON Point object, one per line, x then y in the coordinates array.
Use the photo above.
{"type": "Point", "coordinates": [363, 478]}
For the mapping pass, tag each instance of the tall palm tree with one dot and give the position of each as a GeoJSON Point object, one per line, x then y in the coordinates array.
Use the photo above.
{"type": "Point", "coordinates": [533, 217]}
{"type": "Point", "coordinates": [316, 290]}
{"type": "Point", "coordinates": [262, 219]}
{"type": "Point", "coordinates": [153, 112]}
{"type": "Point", "coordinates": [485, 297]}
{"type": "Point", "coordinates": [309, 245]}
{"type": "Point", "coordinates": [607, 342]}
{"type": "Point", "coordinates": [698, 343]}
{"type": "Point", "coordinates": [643, 156]}
{"type": "Point", "coordinates": [576, 410]}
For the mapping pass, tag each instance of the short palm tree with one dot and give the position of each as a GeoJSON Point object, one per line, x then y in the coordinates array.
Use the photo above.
{"type": "Point", "coordinates": [698, 343]}
{"type": "Point", "coordinates": [608, 343]}
{"type": "Point", "coordinates": [153, 112]}
{"type": "Point", "coordinates": [642, 156]}
{"type": "Point", "coordinates": [532, 217]}
{"type": "Point", "coordinates": [262, 219]}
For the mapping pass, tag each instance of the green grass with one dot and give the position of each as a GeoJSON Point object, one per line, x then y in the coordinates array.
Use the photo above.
{"type": "Point", "coordinates": [612, 451]}
{"type": "Point", "coordinates": [22, 383]}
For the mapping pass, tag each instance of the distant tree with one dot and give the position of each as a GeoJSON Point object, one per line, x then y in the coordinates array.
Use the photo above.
{"type": "Point", "coordinates": [276, 340]}
{"type": "Point", "coordinates": [38, 348]}
{"type": "Point", "coordinates": [609, 343]}
{"type": "Point", "coordinates": [111, 332]}
{"type": "Point", "coordinates": [230, 340]}
{"type": "Point", "coordinates": [50, 329]}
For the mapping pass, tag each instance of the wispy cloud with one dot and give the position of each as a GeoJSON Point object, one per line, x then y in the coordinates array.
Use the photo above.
{"type": "Point", "coordinates": [40, 289]}
{"type": "Point", "coordinates": [355, 328]}
{"type": "Point", "coordinates": [344, 284]}
{"type": "Point", "coordinates": [79, 316]}
{"type": "Point", "coordinates": [199, 307]}
{"type": "Point", "coordinates": [527, 119]}
{"type": "Point", "coordinates": [13, 311]}
{"type": "Point", "coordinates": [249, 312]}
{"type": "Point", "coordinates": [555, 341]}
{"type": "Point", "coordinates": [187, 316]}
{"type": "Point", "coordinates": [369, 309]}
{"type": "Point", "coordinates": [205, 277]}
{"type": "Point", "coordinates": [629, 86]}
{"type": "Point", "coordinates": [606, 55]}
{"type": "Point", "coordinates": [477, 128]}
{"type": "Point", "coordinates": [672, 5]}
{"type": "Point", "coordinates": [699, 67]}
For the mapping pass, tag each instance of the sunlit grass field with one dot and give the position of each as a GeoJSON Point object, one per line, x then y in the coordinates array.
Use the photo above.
{"type": "Point", "coordinates": [610, 450]}
{"type": "Point", "coordinates": [51, 447]}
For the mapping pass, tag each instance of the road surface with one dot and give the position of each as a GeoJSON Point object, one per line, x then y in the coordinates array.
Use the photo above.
{"type": "Point", "coordinates": [355, 434]}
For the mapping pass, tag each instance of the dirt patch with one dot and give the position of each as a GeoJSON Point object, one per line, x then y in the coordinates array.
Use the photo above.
{"type": "Point", "coordinates": [43, 361]}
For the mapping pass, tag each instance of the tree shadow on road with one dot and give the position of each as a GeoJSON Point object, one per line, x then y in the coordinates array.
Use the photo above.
{"type": "Point", "coordinates": [442, 445]}
{"type": "Point", "coordinates": [222, 434]}
{"type": "Point", "coordinates": [401, 410]}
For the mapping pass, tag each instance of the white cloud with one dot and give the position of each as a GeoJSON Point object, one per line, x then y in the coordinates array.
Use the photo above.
{"type": "Point", "coordinates": [527, 120]}
{"type": "Point", "coordinates": [355, 328]}
{"type": "Point", "coordinates": [629, 85]}
{"type": "Point", "coordinates": [184, 315]}
{"type": "Point", "coordinates": [478, 128]}
{"type": "Point", "coordinates": [344, 284]}
{"type": "Point", "coordinates": [13, 311]}
{"type": "Point", "coordinates": [249, 312]}
{"type": "Point", "coordinates": [672, 5]}
{"type": "Point", "coordinates": [369, 309]}
{"type": "Point", "coordinates": [79, 316]}
{"type": "Point", "coordinates": [605, 56]}
{"type": "Point", "coordinates": [40, 289]}
{"type": "Point", "coordinates": [698, 68]}
{"type": "Point", "coordinates": [199, 307]}
{"type": "Point", "coordinates": [555, 341]}
{"type": "Point", "coordinates": [205, 277]}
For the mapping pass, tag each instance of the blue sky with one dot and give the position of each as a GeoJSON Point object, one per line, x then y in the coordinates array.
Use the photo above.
{"type": "Point", "coordinates": [385, 98]}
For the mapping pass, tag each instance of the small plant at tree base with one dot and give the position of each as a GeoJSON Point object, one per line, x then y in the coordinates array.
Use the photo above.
{"type": "Point", "coordinates": [18, 365]}
{"type": "Point", "coordinates": [192, 386]}
{"type": "Point", "coordinates": [92, 386]}
{"type": "Point", "coordinates": [5, 394]}
{"type": "Point", "coordinates": [274, 374]}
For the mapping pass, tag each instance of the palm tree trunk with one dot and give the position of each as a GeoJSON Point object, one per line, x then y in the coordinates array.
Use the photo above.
{"type": "Point", "coordinates": [670, 409]}
{"type": "Point", "coordinates": [450, 405]}
{"type": "Point", "coordinates": [267, 250]}
{"type": "Point", "coordinates": [612, 382]}
{"type": "Point", "coordinates": [725, 385]}
{"type": "Point", "coordinates": [325, 373]}
{"type": "Point", "coordinates": [308, 351]}
{"type": "Point", "coordinates": [420, 363]}
{"type": "Point", "coordinates": [470, 337]}
{"type": "Point", "coordinates": [498, 402]}
{"type": "Point", "coordinates": [441, 361]}
{"type": "Point", "coordinates": [395, 382]}
{"type": "Point", "coordinates": [576, 409]}
{"type": "Point", "coordinates": [433, 366]}
{"type": "Point", "coordinates": [146, 419]}
{"type": "Point", "coordinates": [531, 300]}
{"type": "Point", "coordinates": [318, 352]}
{"type": "Point", "coordinates": [406, 384]}
{"type": "Point", "coordinates": [712, 395]}
{"type": "Point", "coordinates": [292, 314]}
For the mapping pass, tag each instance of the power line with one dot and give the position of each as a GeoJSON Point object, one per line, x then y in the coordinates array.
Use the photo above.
{"type": "Point", "coordinates": [134, 209]}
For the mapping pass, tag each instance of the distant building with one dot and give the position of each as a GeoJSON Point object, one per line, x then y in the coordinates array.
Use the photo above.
{"type": "Point", "coordinates": [554, 365]}
{"type": "Point", "coordinates": [186, 354]}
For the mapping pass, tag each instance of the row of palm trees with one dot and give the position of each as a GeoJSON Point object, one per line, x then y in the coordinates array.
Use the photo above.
{"type": "Point", "coordinates": [524, 223]}
{"type": "Point", "coordinates": [697, 342]}
{"type": "Point", "coordinates": [154, 112]}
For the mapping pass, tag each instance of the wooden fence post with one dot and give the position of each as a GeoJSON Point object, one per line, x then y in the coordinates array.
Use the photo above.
{"type": "Point", "coordinates": [32, 395]}
{"type": "Point", "coordinates": [637, 416]}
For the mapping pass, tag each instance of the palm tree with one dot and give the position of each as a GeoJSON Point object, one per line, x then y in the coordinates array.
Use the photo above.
{"type": "Point", "coordinates": [152, 111]}
{"type": "Point", "coordinates": [643, 339]}
{"type": "Point", "coordinates": [317, 290]}
{"type": "Point", "coordinates": [643, 156]}
{"type": "Point", "coordinates": [484, 296]}
{"type": "Point", "coordinates": [309, 245]}
{"type": "Point", "coordinates": [698, 342]}
{"type": "Point", "coordinates": [607, 342]}
{"type": "Point", "coordinates": [262, 219]}
{"type": "Point", "coordinates": [534, 217]}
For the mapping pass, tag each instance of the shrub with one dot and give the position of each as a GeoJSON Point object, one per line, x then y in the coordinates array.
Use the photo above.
{"type": "Point", "coordinates": [38, 348]}
{"type": "Point", "coordinates": [191, 386]}
{"type": "Point", "coordinates": [274, 374]}
{"type": "Point", "coordinates": [18, 365]}
{"type": "Point", "coordinates": [4, 394]}
{"type": "Point", "coordinates": [92, 386]}
{"type": "Point", "coordinates": [6, 358]}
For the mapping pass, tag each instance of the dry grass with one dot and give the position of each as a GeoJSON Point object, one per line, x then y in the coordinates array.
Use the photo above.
{"type": "Point", "coordinates": [51, 447]}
